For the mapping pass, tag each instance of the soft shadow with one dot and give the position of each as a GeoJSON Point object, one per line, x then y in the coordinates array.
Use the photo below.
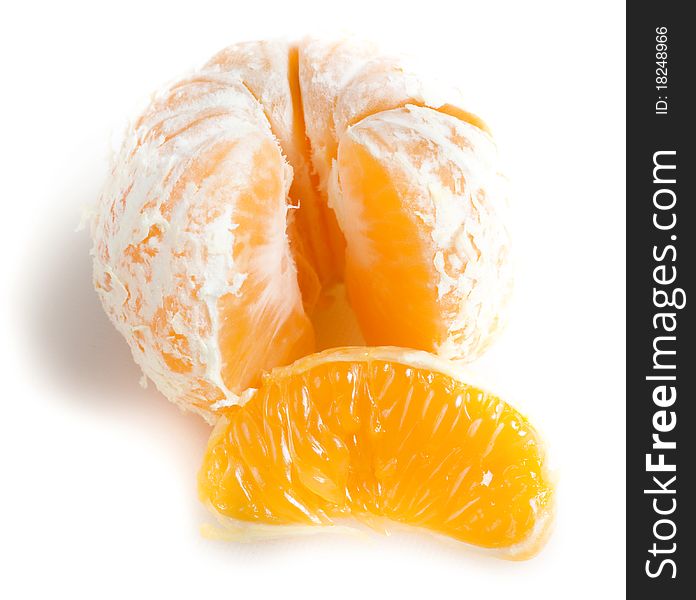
{"type": "Point", "coordinates": [71, 341]}
{"type": "Point", "coordinates": [75, 349]}
{"type": "Point", "coordinates": [402, 543]}
{"type": "Point", "coordinates": [77, 345]}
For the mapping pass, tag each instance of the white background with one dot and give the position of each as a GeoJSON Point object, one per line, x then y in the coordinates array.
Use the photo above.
{"type": "Point", "coordinates": [98, 475]}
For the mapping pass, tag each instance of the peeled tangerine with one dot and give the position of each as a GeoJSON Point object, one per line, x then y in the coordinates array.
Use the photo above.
{"type": "Point", "coordinates": [244, 193]}
{"type": "Point", "coordinates": [241, 199]}
{"type": "Point", "coordinates": [379, 434]}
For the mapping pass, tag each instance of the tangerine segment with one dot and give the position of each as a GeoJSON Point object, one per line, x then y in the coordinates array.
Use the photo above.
{"type": "Point", "coordinates": [191, 258]}
{"type": "Point", "coordinates": [341, 83]}
{"type": "Point", "coordinates": [323, 68]}
{"type": "Point", "coordinates": [422, 206]}
{"type": "Point", "coordinates": [380, 433]}
{"type": "Point", "coordinates": [269, 70]}
{"type": "Point", "coordinates": [344, 81]}
{"type": "Point", "coordinates": [261, 320]}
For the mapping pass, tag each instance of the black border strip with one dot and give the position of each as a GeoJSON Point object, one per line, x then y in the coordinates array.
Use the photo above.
{"type": "Point", "coordinates": [661, 260]}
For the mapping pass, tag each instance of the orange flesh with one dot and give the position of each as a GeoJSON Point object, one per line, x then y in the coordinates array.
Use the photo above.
{"type": "Point", "coordinates": [404, 284]}
{"type": "Point", "coordinates": [322, 252]}
{"type": "Point", "coordinates": [389, 267]}
{"type": "Point", "coordinates": [276, 338]}
{"type": "Point", "coordinates": [464, 115]}
{"type": "Point", "coordinates": [375, 438]}
{"type": "Point", "coordinates": [324, 243]}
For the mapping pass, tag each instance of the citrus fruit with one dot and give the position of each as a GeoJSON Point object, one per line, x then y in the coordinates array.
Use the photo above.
{"type": "Point", "coordinates": [379, 435]}
{"type": "Point", "coordinates": [245, 194]}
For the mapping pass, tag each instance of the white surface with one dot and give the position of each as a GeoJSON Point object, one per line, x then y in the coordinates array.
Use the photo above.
{"type": "Point", "coordinates": [98, 474]}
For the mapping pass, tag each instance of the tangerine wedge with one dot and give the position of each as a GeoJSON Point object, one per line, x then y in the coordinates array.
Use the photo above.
{"type": "Point", "coordinates": [379, 434]}
{"type": "Point", "coordinates": [191, 257]}
{"type": "Point", "coordinates": [270, 71]}
{"type": "Point", "coordinates": [421, 203]}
